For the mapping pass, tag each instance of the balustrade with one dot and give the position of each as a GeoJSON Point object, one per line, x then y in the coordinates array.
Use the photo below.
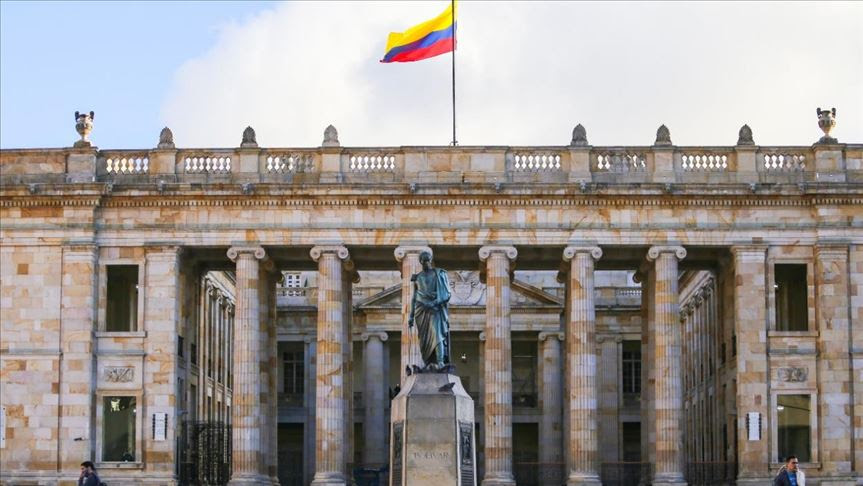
{"type": "Point", "coordinates": [618, 161]}
{"type": "Point", "coordinates": [124, 162]}
{"type": "Point", "coordinates": [778, 160]}
{"type": "Point", "coordinates": [207, 163]}
{"type": "Point", "coordinates": [536, 162]}
{"type": "Point", "coordinates": [462, 164]}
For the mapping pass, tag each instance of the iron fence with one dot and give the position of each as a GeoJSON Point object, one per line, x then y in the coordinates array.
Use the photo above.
{"type": "Point", "coordinates": [625, 473]}
{"type": "Point", "coordinates": [711, 473]}
{"type": "Point", "coordinates": [205, 453]}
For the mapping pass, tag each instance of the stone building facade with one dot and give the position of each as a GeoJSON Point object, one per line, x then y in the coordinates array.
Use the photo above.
{"type": "Point", "coordinates": [621, 315]}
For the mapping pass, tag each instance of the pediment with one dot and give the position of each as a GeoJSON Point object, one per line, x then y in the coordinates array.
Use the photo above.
{"type": "Point", "coordinates": [468, 291]}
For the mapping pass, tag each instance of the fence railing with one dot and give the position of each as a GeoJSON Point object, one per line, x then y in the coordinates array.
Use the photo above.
{"type": "Point", "coordinates": [711, 473]}
{"type": "Point", "coordinates": [625, 473]}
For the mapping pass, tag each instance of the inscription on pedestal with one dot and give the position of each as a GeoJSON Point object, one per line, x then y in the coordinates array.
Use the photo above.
{"type": "Point", "coordinates": [398, 459]}
{"type": "Point", "coordinates": [466, 452]}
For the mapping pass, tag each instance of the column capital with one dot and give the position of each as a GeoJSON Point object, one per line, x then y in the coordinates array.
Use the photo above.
{"type": "Point", "coordinates": [339, 250]}
{"type": "Point", "coordinates": [571, 251]}
{"type": "Point", "coordinates": [382, 335]}
{"type": "Point", "coordinates": [654, 252]}
{"type": "Point", "coordinates": [402, 251]}
{"type": "Point", "coordinates": [257, 252]}
{"type": "Point", "coordinates": [481, 336]}
{"type": "Point", "coordinates": [550, 334]}
{"type": "Point", "coordinates": [486, 251]}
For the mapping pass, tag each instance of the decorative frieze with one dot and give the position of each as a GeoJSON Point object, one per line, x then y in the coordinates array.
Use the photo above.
{"type": "Point", "coordinates": [792, 374]}
{"type": "Point", "coordinates": [119, 374]}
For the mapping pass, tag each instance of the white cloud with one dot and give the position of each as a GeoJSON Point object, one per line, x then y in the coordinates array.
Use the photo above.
{"type": "Point", "coordinates": [528, 72]}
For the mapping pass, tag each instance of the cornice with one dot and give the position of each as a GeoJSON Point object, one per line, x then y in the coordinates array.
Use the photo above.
{"type": "Point", "coordinates": [538, 200]}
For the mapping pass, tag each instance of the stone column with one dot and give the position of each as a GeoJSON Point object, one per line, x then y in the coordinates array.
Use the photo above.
{"type": "Point", "coordinates": [551, 427]}
{"type": "Point", "coordinates": [270, 360]}
{"type": "Point", "coordinates": [582, 445]}
{"type": "Point", "coordinates": [834, 365]}
{"type": "Point", "coordinates": [309, 401]}
{"type": "Point", "coordinates": [375, 397]}
{"type": "Point", "coordinates": [409, 257]}
{"type": "Point", "coordinates": [646, 276]}
{"type": "Point", "coordinates": [161, 322]}
{"type": "Point", "coordinates": [855, 274]}
{"type": "Point", "coordinates": [498, 366]}
{"type": "Point", "coordinates": [247, 460]}
{"type": "Point", "coordinates": [331, 430]}
{"type": "Point", "coordinates": [750, 287]}
{"type": "Point", "coordinates": [608, 384]}
{"type": "Point", "coordinates": [78, 316]}
{"type": "Point", "coordinates": [669, 391]}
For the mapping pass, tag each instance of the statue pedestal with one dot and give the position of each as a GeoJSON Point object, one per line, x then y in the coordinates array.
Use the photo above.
{"type": "Point", "coordinates": [432, 433]}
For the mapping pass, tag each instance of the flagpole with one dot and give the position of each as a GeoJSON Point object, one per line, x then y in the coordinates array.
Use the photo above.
{"type": "Point", "coordinates": [454, 41]}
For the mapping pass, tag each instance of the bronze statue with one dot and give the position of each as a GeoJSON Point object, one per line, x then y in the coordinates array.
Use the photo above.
{"type": "Point", "coordinates": [429, 312]}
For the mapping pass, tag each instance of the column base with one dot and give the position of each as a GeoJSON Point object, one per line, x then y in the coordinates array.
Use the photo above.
{"type": "Point", "coordinates": [669, 480]}
{"type": "Point", "coordinates": [329, 480]}
{"type": "Point", "coordinates": [250, 480]}
{"type": "Point", "coordinates": [510, 481]}
{"type": "Point", "coordinates": [583, 480]}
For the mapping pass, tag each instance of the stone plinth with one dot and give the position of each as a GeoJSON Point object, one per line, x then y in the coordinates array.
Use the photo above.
{"type": "Point", "coordinates": [432, 433]}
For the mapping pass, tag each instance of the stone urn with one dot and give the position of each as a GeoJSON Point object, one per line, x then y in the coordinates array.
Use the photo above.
{"type": "Point", "coordinates": [826, 122]}
{"type": "Point", "coordinates": [84, 125]}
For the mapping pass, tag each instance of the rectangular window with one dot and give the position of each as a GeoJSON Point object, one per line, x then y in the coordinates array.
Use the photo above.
{"type": "Point", "coordinates": [794, 433]}
{"type": "Point", "coordinates": [122, 307]}
{"type": "Point", "coordinates": [631, 367]}
{"type": "Point", "coordinates": [118, 429]}
{"type": "Point", "coordinates": [792, 312]}
{"type": "Point", "coordinates": [524, 359]}
{"type": "Point", "coordinates": [293, 372]}
{"type": "Point", "coordinates": [293, 280]}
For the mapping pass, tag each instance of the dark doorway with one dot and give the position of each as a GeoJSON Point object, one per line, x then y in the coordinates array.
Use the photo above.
{"type": "Point", "coordinates": [291, 454]}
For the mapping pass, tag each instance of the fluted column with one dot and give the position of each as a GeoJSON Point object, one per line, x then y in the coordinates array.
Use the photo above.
{"type": "Point", "coordinates": [666, 342]}
{"type": "Point", "coordinates": [409, 257]}
{"type": "Point", "coordinates": [374, 396]}
{"type": "Point", "coordinates": [551, 427]}
{"type": "Point", "coordinates": [498, 366]}
{"type": "Point", "coordinates": [582, 445]}
{"type": "Point", "coordinates": [247, 460]}
{"type": "Point", "coordinates": [330, 414]}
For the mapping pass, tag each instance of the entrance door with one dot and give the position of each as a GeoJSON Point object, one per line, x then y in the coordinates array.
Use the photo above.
{"type": "Point", "coordinates": [291, 454]}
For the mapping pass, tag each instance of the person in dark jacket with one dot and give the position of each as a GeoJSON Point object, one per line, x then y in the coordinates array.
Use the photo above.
{"type": "Point", "coordinates": [88, 475]}
{"type": "Point", "coordinates": [790, 474]}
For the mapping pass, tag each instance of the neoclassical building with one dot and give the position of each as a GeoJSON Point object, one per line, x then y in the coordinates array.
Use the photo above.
{"type": "Point", "coordinates": [657, 314]}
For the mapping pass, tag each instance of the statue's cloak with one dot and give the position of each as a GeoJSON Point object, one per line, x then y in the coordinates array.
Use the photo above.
{"type": "Point", "coordinates": [432, 318]}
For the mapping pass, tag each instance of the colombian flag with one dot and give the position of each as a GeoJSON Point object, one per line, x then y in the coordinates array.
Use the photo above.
{"type": "Point", "coordinates": [428, 39]}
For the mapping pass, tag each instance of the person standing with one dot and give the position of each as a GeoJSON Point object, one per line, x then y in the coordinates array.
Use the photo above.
{"type": "Point", "coordinates": [790, 474]}
{"type": "Point", "coordinates": [88, 475]}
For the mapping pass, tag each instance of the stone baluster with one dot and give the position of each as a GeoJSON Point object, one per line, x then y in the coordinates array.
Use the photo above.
{"type": "Point", "coordinates": [409, 257]}
{"type": "Point", "coordinates": [375, 397]}
{"type": "Point", "coordinates": [582, 444]}
{"type": "Point", "coordinates": [551, 427]}
{"type": "Point", "coordinates": [498, 366]}
{"type": "Point", "coordinates": [669, 393]}
{"type": "Point", "coordinates": [330, 415]}
{"type": "Point", "coordinates": [247, 460]}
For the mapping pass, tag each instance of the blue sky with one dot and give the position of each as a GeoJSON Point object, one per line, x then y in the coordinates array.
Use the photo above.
{"type": "Point", "coordinates": [116, 58]}
{"type": "Point", "coordinates": [527, 72]}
